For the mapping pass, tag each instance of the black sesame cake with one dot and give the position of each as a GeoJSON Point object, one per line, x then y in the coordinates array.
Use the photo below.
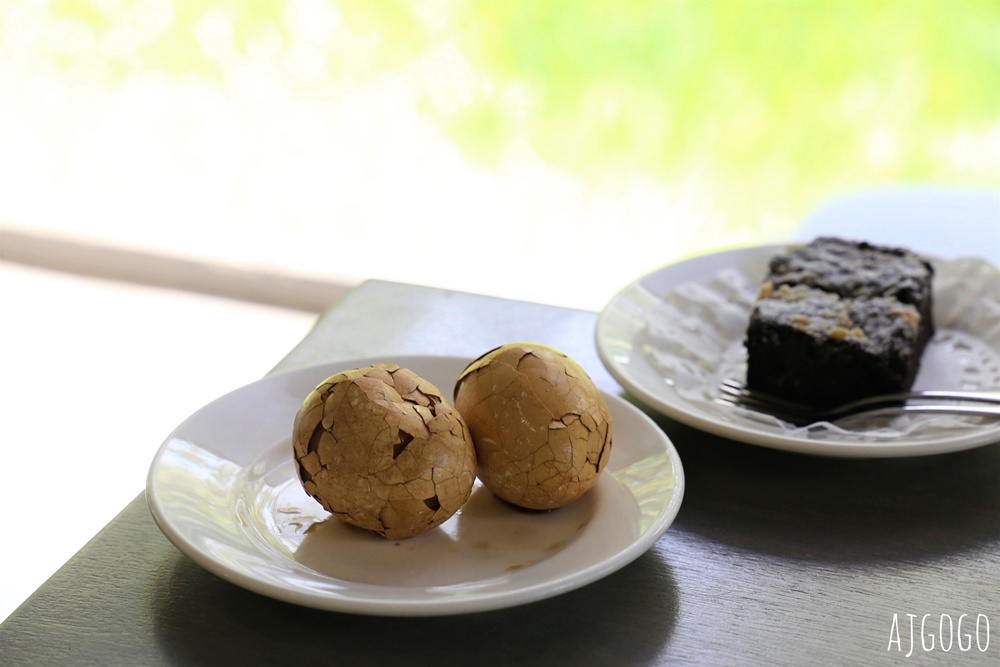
{"type": "Point", "coordinates": [837, 320]}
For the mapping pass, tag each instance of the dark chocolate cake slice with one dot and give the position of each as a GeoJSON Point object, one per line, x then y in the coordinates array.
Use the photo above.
{"type": "Point", "coordinates": [851, 269]}
{"type": "Point", "coordinates": [838, 320]}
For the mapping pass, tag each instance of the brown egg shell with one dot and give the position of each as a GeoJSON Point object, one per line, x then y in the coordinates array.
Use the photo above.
{"type": "Point", "coordinates": [541, 428]}
{"type": "Point", "coordinates": [380, 448]}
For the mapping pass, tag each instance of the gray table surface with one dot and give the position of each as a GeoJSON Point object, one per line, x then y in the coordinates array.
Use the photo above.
{"type": "Point", "coordinates": [775, 558]}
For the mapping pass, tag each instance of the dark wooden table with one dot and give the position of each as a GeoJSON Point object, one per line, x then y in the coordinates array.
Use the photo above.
{"type": "Point", "coordinates": [775, 558]}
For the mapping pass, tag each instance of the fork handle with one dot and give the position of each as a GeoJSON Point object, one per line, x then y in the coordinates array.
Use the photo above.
{"type": "Point", "coordinates": [988, 410]}
{"type": "Point", "coordinates": [982, 396]}
{"type": "Point", "coordinates": [985, 396]}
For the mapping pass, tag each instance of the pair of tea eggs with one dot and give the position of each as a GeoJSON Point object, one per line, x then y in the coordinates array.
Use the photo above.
{"type": "Point", "coordinates": [381, 448]}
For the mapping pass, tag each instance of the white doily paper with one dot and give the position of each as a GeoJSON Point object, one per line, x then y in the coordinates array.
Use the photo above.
{"type": "Point", "coordinates": [694, 336]}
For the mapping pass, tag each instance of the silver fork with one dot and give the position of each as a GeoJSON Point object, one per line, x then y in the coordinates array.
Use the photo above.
{"type": "Point", "coordinates": [987, 403]}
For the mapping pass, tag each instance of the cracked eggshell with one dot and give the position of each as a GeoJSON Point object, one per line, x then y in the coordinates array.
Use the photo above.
{"type": "Point", "coordinates": [542, 430]}
{"type": "Point", "coordinates": [381, 449]}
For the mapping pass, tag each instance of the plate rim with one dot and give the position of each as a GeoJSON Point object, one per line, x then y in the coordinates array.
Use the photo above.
{"type": "Point", "coordinates": [314, 598]}
{"type": "Point", "coordinates": [746, 434]}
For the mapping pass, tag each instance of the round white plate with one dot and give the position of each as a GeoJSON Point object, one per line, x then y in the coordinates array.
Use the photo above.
{"type": "Point", "coordinates": [224, 490]}
{"type": "Point", "coordinates": [672, 335]}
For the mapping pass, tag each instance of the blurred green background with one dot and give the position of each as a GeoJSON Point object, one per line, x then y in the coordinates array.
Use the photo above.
{"type": "Point", "coordinates": [749, 113]}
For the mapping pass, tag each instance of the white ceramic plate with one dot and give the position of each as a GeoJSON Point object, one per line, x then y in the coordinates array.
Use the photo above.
{"type": "Point", "coordinates": [224, 490]}
{"type": "Point", "coordinates": [672, 335]}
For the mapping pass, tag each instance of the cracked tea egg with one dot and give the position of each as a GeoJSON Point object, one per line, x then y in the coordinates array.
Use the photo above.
{"type": "Point", "coordinates": [541, 429]}
{"type": "Point", "coordinates": [379, 448]}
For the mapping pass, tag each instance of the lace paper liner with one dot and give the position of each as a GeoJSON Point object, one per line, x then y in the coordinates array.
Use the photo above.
{"type": "Point", "coordinates": [694, 336]}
